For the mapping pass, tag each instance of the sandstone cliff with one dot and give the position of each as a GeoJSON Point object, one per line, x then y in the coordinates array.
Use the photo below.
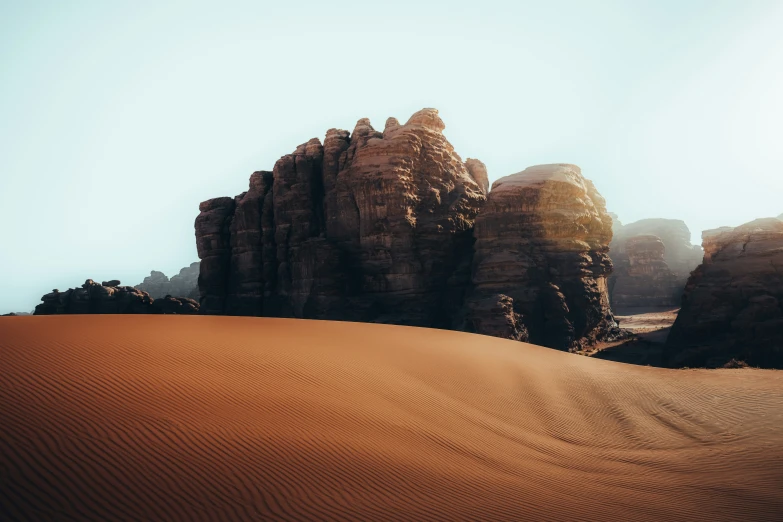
{"type": "Point", "coordinates": [733, 303]}
{"type": "Point", "coordinates": [184, 284]}
{"type": "Point", "coordinates": [369, 226]}
{"type": "Point", "coordinates": [379, 226]}
{"type": "Point", "coordinates": [667, 265]}
{"type": "Point", "coordinates": [110, 297]}
{"type": "Point", "coordinates": [541, 249]}
{"type": "Point", "coordinates": [642, 277]}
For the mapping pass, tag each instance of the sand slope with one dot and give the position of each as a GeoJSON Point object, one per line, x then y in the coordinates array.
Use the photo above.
{"type": "Point", "coordinates": [221, 418]}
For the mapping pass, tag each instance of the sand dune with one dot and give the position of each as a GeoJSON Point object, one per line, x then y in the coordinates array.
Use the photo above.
{"type": "Point", "coordinates": [228, 418]}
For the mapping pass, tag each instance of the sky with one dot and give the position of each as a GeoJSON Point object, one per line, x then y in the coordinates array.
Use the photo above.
{"type": "Point", "coordinates": [118, 118]}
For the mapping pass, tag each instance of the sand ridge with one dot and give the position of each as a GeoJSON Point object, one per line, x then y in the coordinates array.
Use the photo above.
{"type": "Point", "coordinates": [231, 418]}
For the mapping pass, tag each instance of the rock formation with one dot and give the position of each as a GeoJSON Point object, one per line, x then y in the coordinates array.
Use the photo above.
{"type": "Point", "coordinates": [642, 277]}
{"type": "Point", "coordinates": [732, 307]}
{"type": "Point", "coordinates": [184, 284]}
{"type": "Point", "coordinates": [370, 226]}
{"type": "Point", "coordinates": [661, 282]}
{"type": "Point", "coordinates": [111, 298]}
{"type": "Point", "coordinates": [541, 250]}
{"type": "Point", "coordinates": [379, 226]}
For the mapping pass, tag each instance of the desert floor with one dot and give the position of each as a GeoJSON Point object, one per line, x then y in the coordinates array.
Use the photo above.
{"type": "Point", "coordinates": [650, 326]}
{"type": "Point", "coordinates": [229, 418]}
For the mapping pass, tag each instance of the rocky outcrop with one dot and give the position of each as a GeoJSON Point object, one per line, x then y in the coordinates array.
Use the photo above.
{"type": "Point", "coordinates": [642, 277]}
{"type": "Point", "coordinates": [661, 281]}
{"type": "Point", "coordinates": [369, 226]}
{"type": "Point", "coordinates": [111, 298]}
{"type": "Point", "coordinates": [184, 284]}
{"type": "Point", "coordinates": [541, 249]}
{"type": "Point", "coordinates": [15, 314]}
{"type": "Point", "coordinates": [732, 307]}
{"type": "Point", "coordinates": [379, 226]}
{"type": "Point", "coordinates": [478, 171]}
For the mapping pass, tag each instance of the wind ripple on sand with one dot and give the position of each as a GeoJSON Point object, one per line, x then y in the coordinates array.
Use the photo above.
{"type": "Point", "coordinates": [228, 418]}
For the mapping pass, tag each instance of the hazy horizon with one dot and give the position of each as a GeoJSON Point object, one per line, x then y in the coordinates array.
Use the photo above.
{"type": "Point", "coordinates": [117, 121]}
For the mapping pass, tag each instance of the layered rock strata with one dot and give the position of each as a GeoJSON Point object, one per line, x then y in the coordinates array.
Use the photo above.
{"type": "Point", "coordinates": [542, 248]}
{"type": "Point", "coordinates": [732, 307]}
{"type": "Point", "coordinates": [111, 298]}
{"type": "Point", "coordinates": [379, 226]}
{"type": "Point", "coordinates": [642, 277]}
{"type": "Point", "coordinates": [662, 281]}
{"type": "Point", "coordinates": [368, 226]}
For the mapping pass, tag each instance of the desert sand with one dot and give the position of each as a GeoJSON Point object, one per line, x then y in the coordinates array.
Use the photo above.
{"type": "Point", "coordinates": [231, 418]}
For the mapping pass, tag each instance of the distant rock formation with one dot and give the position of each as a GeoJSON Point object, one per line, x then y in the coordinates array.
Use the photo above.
{"type": "Point", "coordinates": [541, 248]}
{"type": "Point", "coordinates": [642, 277]}
{"type": "Point", "coordinates": [184, 284]}
{"type": "Point", "coordinates": [379, 227]}
{"type": "Point", "coordinates": [733, 303]}
{"type": "Point", "coordinates": [15, 314]}
{"type": "Point", "coordinates": [653, 272]}
{"type": "Point", "coordinates": [111, 298]}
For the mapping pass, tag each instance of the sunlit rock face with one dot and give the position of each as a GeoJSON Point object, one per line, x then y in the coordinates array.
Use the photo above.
{"type": "Point", "coordinates": [732, 307]}
{"type": "Point", "coordinates": [542, 241]}
{"type": "Point", "coordinates": [628, 287]}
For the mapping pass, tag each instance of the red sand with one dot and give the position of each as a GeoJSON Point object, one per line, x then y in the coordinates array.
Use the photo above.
{"type": "Point", "coordinates": [228, 418]}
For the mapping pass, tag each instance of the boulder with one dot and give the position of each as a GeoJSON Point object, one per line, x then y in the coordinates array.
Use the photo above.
{"type": "Point", "coordinates": [379, 227]}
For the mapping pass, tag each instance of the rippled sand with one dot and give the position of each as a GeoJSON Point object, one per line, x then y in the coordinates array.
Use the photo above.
{"type": "Point", "coordinates": [228, 418]}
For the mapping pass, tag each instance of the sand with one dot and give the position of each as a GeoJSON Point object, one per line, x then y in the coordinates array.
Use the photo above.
{"type": "Point", "coordinates": [229, 418]}
{"type": "Point", "coordinates": [650, 326]}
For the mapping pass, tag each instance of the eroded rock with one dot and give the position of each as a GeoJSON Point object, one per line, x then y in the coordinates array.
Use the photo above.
{"type": "Point", "coordinates": [542, 240]}
{"type": "Point", "coordinates": [732, 307]}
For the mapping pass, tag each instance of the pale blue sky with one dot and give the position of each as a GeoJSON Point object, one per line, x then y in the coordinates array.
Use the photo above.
{"type": "Point", "coordinates": [118, 118]}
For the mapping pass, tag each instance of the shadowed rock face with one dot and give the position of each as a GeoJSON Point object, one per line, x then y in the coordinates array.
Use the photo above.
{"type": "Point", "coordinates": [369, 226]}
{"type": "Point", "coordinates": [111, 298]}
{"type": "Point", "coordinates": [662, 281]}
{"type": "Point", "coordinates": [184, 284]}
{"type": "Point", "coordinates": [379, 226]}
{"type": "Point", "coordinates": [541, 242]}
{"type": "Point", "coordinates": [733, 303]}
{"type": "Point", "coordinates": [642, 277]}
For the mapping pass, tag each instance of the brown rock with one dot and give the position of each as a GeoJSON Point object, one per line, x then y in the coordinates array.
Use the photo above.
{"type": "Point", "coordinates": [679, 256]}
{"type": "Point", "coordinates": [733, 303]}
{"type": "Point", "coordinates": [542, 240]}
{"type": "Point", "coordinates": [478, 171]}
{"type": "Point", "coordinates": [213, 242]}
{"type": "Point", "coordinates": [643, 278]}
{"type": "Point", "coordinates": [93, 298]}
